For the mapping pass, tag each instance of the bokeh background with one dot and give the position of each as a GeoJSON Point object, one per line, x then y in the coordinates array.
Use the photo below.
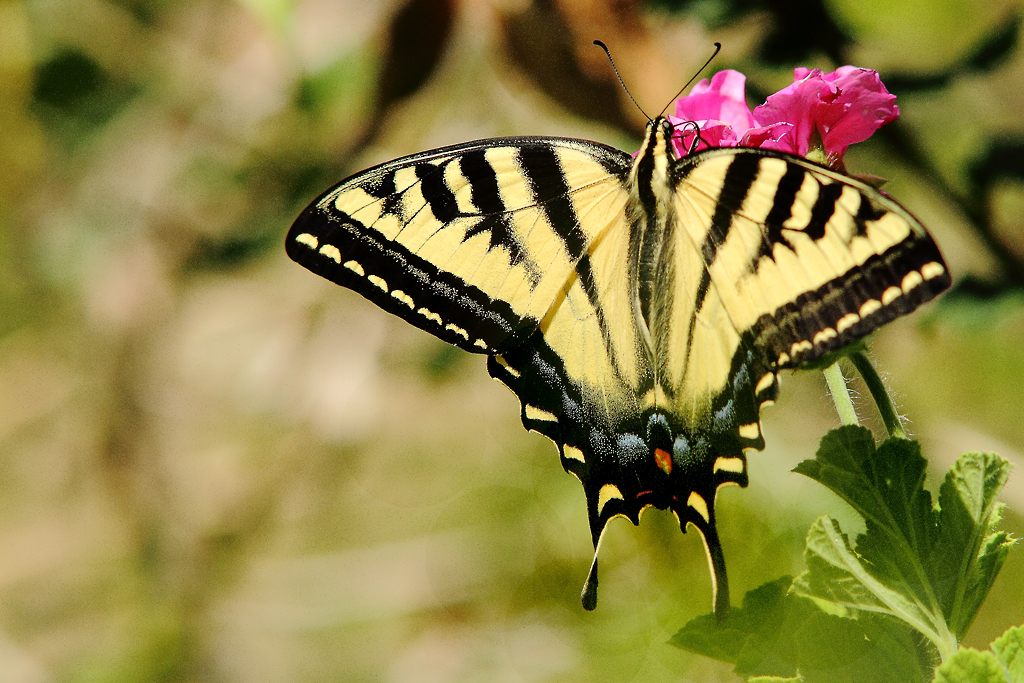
{"type": "Point", "coordinates": [215, 466]}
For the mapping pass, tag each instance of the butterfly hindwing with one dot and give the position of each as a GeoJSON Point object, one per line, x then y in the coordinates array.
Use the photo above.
{"type": "Point", "coordinates": [471, 242]}
{"type": "Point", "coordinates": [630, 456]}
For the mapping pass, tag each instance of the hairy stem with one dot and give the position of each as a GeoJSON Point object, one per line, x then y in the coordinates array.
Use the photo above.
{"type": "Point", "coordinates": [886, 408]}
{"type": "Point", "coordinates": [840, 394]}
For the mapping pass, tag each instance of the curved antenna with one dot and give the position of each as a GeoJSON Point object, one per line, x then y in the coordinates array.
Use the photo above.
{"type": "Point", "coordinates": [718, 48]}
{"type": "Point", "coordinates": [621, 82]}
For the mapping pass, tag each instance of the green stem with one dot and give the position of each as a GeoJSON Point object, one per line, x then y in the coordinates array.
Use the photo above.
{"type": "Point", "coordinates": [840, 394]}
{"type": "Point", "coordinates": [886, 408]}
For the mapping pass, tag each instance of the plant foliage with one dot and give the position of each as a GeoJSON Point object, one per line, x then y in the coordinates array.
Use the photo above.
{"type": "Point", "coordinates": [892, 603]}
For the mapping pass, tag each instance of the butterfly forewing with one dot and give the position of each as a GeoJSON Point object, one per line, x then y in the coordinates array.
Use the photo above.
{"type": "Point", "coordinates": [471, 243]}
{"type": "Point", "coordinates": [811, 259]}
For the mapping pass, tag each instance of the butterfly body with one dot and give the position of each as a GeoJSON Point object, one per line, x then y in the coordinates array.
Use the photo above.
{"type": "Point", "coordinates": [640, 308]}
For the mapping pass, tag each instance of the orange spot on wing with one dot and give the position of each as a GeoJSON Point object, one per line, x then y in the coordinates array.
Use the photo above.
{"type": "Point", "coordinates": [663, 459]}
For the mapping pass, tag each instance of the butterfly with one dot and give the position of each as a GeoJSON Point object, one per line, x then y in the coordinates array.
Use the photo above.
{"type": "Point", "coordinates": [641, 308]}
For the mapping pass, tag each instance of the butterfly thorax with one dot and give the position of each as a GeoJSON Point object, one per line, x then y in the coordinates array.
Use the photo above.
{"type": "Point", "coordinates": [652, 215]}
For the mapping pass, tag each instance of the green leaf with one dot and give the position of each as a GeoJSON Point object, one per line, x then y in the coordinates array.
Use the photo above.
{"type": "Point", "coordinates": [971, 666]}
{"type": "Point", "coordinates": [884, 572]}
{"type": "Point", "coordinates": [843, 465]}
{"type": "Point", "coordinates": [898, 538]}
{"type": "Point", "coordinates": [969, 551]}
{"type": "Point", "coordinates": [931, 568]}
{"type": "Point", "coordinates": [885, 486]}
{"type": "Point", "coordinates": [747, 636]}
{"type": "Point", "coordinates": [837, 573]}
{"type": "Point", "coordinates": [777, 635]}
{"type": "Point", "coordinates": [1009, 649]}
{"type": "Point", "coordinates": [907, 654]}
{"type": "Point", "coordinates": [858, 611]}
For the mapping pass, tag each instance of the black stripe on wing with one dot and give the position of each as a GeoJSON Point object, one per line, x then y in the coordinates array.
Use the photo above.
{"type": "Point", "coordinates": [343, 249]}
{"type": "Point", "coordinates": [846, 305]}
{"type": "Point", "coordinates": [547, 182]}
{"type": "Point", "coordinates": [485, 193]}
{"type": "Point", "coordinates": [782, 209]}
{"type": "Point", "coordinates": [739, 178]}
{"type": "Point", "coordinates": [550, 190]}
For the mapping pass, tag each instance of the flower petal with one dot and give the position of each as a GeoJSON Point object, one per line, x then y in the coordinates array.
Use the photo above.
{"type": "Point", "coordinates": [824, 110]}
{"type": "Point", "coordinates": [775, 136]}
{"type": "Point", "coordinates": [844, 107]}
{"type": "Point", "coordinates": [800, 104]}
{"type": "Point", "coordinates": [723, 99]}
{"type": "Point", "coordinates": [865, 105]}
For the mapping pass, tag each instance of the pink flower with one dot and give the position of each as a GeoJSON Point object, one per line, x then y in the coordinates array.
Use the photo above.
{"type": "Point", "coordinates": [843, 107]}
{"type": "Point", "coordinates": [719, 109]}
{"type": "Point", "coordinates": [833, 110]}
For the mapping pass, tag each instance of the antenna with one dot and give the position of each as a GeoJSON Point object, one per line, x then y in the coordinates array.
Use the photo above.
{"type": "Point", "coordinates": [621, 82]}
{"type": "Point", "coordinates": [718, 48]}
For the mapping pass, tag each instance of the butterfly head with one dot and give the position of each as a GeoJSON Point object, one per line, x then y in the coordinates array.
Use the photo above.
{"type": "Point", "coordinates": [660, 131]}
{"type": "Point", "coordinates": [651, 166]}
{"type": "Point", "coordinates": [658, 141]}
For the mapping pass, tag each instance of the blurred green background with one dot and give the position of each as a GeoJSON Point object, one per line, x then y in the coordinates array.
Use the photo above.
{"type": "Point", "coordinates": [216, 466]}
